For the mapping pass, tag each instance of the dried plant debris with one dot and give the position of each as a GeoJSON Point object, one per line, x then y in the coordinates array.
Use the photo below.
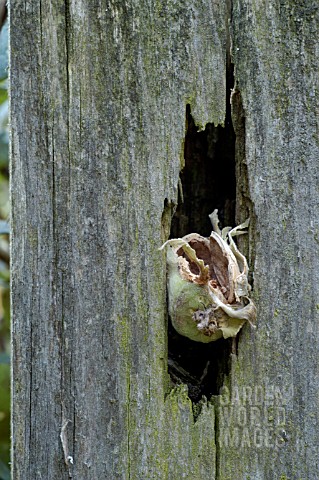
{"type": "Point", "coordinates": [208, 288]}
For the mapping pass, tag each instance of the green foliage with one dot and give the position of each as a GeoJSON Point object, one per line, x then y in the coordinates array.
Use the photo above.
{"type": "Point", "coordinates": [4, 52]}
{"type": "Point", "coordinates": [4, 471]}
{"type": "Point", "coordinates": [4, 265]}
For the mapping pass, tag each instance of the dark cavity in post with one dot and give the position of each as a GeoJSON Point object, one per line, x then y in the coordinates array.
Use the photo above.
{"type": "Point", "coordinates": [208, 182]}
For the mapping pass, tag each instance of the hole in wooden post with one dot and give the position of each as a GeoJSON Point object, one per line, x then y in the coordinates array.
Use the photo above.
{"type": "Point", "coordinates": [208, 182]}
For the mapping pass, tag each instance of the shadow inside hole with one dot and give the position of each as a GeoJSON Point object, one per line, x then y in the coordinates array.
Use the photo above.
{"type": "Point", "coordinates": [208, 179]}
{"type": "Point", "coordinates": [201, 366]}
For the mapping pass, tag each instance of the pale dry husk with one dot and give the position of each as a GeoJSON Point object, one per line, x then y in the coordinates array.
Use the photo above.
{"type": "Point", "coordinates": [208, 285]}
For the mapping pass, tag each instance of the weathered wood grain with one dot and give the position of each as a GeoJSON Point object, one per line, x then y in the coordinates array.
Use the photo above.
{"type": "Point", "coordinates": [98, 99]}
{"type": "Point", "coordinates": [274, 50]}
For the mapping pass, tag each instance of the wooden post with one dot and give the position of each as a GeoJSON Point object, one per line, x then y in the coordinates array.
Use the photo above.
{"type": "Point", "coordinates": [98, 99]}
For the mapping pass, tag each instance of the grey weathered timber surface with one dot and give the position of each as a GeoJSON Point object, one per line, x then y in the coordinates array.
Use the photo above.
{"type": "Point", "coordinates": [276, 57]}
{"type": "Point", "coordinates": [98, 98]}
